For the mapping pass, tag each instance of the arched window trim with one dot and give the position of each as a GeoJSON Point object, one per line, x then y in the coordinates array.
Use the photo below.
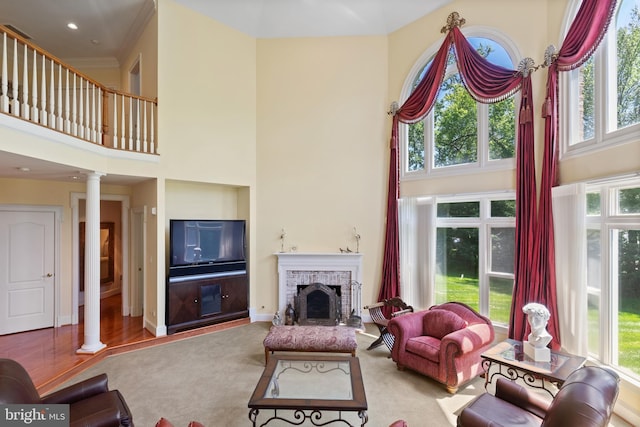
{"type": "Point", "coordinates": [483, 164]}
{"type": "Point", "coordinates": [606, 134]}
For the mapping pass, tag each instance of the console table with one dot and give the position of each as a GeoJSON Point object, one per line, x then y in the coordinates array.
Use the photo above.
{"type": "Point", "coordinates": [304, 388]}
{"type": "Point", "coordinates": [512, 363]}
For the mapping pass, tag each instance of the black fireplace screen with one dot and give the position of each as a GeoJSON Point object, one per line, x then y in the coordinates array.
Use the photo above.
{"type": "Point", "coordinates": [318, 304]}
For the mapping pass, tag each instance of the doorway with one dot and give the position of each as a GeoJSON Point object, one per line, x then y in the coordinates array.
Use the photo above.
{"type": "Point", "coordinates": [29, 245]}
{"type": "Point", "coordinates": [113, 209]}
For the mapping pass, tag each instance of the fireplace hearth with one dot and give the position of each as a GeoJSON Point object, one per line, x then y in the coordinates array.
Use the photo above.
{"type": "Point", "coordinates": [318, 304]}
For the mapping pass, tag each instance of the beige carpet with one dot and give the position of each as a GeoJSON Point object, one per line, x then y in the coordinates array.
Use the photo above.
{"type": "Point", "coordinates": [210, 379]}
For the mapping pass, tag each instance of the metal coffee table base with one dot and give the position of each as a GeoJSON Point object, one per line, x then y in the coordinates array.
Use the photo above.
{"type": "Point", "coordinates": [299, 416]}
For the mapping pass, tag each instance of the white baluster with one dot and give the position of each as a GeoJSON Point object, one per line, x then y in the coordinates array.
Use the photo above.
{"type": "Point", "coordinates": [67, 106]}
{"type": "Point", "coordinates": [60, 110]}
{"type": "Point", "coordinates": [123, 134]}
{"type": "Point", "coordinates": [15, 107]}
{"type": "Point", "coordinates": [81, 108]}
{"type": "Point", "coordinates": [43, 93]}
{"type": "Point", "coordinates": [52, 95]}
{"type": "Point", "coordinates": [74, 109]}
{"type": "Point", "coordinates": [114, 127]}
{"type": "Point", "coordinates": [4, 85]}
{"type": "Point", "coordinates": [130, 124]}
{"type": "Point", "coordinates": [137, 124]}
{"type": "Point", "coordinates": [153, 142]}
{"type": "Point", "coordinates": [25, 85]}
{"type": "Point", "coordinates": [144, 128]}
{"type": "Point", "coordinates": [34, 89]}
{"type": "Point", "coordinates": [99, 126]}
{"type": "Point", "coordinates": [94, 134]}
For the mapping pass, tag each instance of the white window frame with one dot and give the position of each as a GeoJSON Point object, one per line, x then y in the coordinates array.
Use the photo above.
{"type": "Point", "coordinates": [606, 133]}
{"type": "Point", "coordinates": [608, 222]}
{"type": "Point", "coordinates": [483, 163]}
{"type": "Point", "coordinates": [484, 224]}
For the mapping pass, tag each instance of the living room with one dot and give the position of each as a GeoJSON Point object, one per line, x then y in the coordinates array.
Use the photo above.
{"type": "Point", "coordinates": [291, 134]}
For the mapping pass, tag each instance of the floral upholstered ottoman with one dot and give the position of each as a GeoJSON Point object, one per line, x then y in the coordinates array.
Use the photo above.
{"type": "Point", "coordinates": [312, 338]}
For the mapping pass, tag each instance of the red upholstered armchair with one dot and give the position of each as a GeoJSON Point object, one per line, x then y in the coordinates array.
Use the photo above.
{"type": "Point", "coordinates": [444, 342]}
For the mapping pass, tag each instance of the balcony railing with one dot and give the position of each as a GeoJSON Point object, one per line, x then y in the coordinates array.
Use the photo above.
{"type": "Point", "coordinates": [37, 87]}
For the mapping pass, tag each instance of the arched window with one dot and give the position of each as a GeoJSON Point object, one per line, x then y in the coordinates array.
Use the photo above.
{"type": "Point", "coordinates": [602, 98]}
{"type": "Point", "coordinates": [461, 134]}
{"type": "Point", "coordinates": [460, 246]}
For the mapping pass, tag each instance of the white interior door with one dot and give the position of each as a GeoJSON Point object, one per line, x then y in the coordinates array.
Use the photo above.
{"type": "Point", "coordinates": [27, 249]}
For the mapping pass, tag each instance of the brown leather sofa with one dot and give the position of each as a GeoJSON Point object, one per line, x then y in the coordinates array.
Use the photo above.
{"type": "Point", "coordinates": [91, 403]}
{"type": "Point", "coordinates": [586, 399]}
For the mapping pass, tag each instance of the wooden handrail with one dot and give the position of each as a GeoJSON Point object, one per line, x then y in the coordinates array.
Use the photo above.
{"type": "Point", "coordinates": [69, 101]}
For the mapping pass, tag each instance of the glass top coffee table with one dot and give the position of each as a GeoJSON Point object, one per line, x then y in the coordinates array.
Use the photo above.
{"type": "Point", "coordinates": [511, 362]}
{"type": "Point", "coordinates": [302, 389]}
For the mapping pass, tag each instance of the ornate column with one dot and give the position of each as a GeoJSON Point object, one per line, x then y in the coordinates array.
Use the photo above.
{"type": "Point", "coordinates": [92, 342]}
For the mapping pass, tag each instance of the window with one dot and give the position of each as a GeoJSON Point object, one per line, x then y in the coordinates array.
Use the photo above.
{"type": "Point", "coordinates": [474, 257]}
{"type": "Point", "coordinates": [602, 97]}
{"type": "Point", "coordinates": [459, 133]}
{"type": "Point", "coordinates": [613, 274]}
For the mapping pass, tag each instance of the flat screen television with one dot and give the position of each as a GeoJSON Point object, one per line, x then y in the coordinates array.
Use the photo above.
{"type": "Point", "coordinates": [195, 243]}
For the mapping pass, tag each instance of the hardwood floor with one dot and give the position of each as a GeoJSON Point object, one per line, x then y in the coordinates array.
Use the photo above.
{"type": "Point", "coordinates": [49, 355]}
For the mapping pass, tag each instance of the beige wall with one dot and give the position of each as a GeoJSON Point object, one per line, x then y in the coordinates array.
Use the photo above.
{"type": "Point", "coordinates": [145, 50]}
{"type": "Point", "coordinates": [145, 197]}
{"type": "Point", "coordinates": [207, 107]}
{"type": "Point", "coordinates": [322, 153]}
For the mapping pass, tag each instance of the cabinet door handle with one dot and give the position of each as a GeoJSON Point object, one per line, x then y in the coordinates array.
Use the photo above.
{"type": "Point", "coordinates": [195, 300]}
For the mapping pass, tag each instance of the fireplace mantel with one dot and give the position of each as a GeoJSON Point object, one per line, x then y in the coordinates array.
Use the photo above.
{"type": "Point", "coordinates": [309, 262]}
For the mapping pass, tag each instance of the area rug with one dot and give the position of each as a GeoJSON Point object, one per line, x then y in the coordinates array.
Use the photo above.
{"type": "Point", "coordinates": [210, 378]}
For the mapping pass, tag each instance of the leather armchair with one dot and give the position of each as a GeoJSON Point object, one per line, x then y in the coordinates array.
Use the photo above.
{"type": "Point", "coordinates": [586, 399]}
{"type": "Point", "coordinates": [444, 343]}
{"type": "Point", "coordinates": [91, 403]}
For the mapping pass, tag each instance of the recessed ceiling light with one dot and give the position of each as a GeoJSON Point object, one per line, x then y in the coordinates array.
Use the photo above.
{"type": "Point", "coordinates": [24, 169]}
{"type": "Point", "coordinates": [72, 26]}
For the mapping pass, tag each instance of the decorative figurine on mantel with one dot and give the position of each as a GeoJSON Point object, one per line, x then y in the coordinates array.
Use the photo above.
{"type": "Point", "coordinates": [536, 345]}
{"type": "Point", "coordinates": [283, 234]}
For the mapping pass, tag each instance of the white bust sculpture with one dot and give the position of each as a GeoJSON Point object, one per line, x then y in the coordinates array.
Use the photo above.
{"type": "Point", "coordinates": [536, 346]}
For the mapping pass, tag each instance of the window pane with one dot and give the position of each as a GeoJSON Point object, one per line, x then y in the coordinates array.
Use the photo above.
{"type": "Point", "coordinates": [502, 130]}
{"type": "Point", "coordinates": [629, 299]}
{"type": "Point", "coordinates": [457, 266]}
{"type": "Point", "coordinates": [456, 125]}
{"type": "Point", "coordinates": [593, 203]}
{"type": "Point", "coordinates": [594, 266]}
{"type": "Point", "coordinates": [500, 291]}
{"type": "Point", "coordinates": [502, 249]}
{"type": "Point", "coordinates": [587, 84]}
{"type": "Point", "coordinates": [627, 35]}
{"type": "Point", "coordinates": [629, 201]}
{"type": "Point", "coordinates": [503, 208]}
{"type": "Point", "coordinates": [593, 321]}
{"type": "Point", "coordinates": [459, 210]}
{"type": "Point", "coordinates": [416, 146]}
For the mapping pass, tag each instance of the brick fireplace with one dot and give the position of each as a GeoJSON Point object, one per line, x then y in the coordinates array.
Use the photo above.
{"type": "Point", "coordinates": [330, 269]}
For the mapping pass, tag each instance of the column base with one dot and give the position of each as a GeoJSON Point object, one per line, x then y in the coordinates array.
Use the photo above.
{"type": "Point", "coordinates": [91, 349]}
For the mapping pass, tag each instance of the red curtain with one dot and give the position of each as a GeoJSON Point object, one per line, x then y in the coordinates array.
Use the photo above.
{"type": "Point", "coordinates": [486, 82]}
{"type": "Point", "coordinates": [535, 272]}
